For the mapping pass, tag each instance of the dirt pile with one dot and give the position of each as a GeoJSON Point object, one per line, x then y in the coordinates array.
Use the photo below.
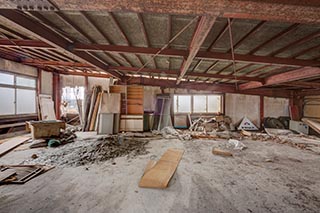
{"type": "Point", "coordinates": [90, 151]}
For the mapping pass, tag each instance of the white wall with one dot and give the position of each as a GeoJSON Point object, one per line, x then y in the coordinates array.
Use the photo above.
{"type": "Point", "coordinates": [15, 67]}
{"type": "Point", "coordinates": [275, 107]}
{"type": "Point", "coordinates": [238, 106]}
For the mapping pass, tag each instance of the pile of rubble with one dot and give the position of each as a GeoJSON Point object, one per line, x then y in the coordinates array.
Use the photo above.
{"type": "Point", "coordinates": [216, 123]}
{"type": "Point", "coordinates": [91, 151]}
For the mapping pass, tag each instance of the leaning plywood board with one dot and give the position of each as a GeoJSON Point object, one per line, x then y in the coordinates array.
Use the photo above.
{"type": "Point", "coordinates": [160, 174]}
{"type": "Point", "coordinates": [313, 124]}
{"type": "Point", "coordinates": [47, 107]}
{"type": "Point", "coordinates": [12, 143]}
{"type": "Point", "coordinates": [110, 103]}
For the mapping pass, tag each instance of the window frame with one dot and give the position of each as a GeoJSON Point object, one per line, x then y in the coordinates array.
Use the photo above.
{"type": "Point", "coordinates": [16, 87]}
{"type": "Point", "coordinates": [192, 104]}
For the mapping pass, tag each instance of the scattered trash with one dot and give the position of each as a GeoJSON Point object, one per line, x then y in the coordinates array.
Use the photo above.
{"type": "Point", "coordinates": [34, 156]}
{"type": "Point", "coordinates": [218, 151]}
{"type": "Point", "coordinates": [235, 144]}
{"type": "Point", "coordinates": [20, 174]}
{"type": "Point", "coordinates": [246, 124]}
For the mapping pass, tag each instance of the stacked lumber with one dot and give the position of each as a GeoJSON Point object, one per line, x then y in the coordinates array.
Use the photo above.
{"type": "Point", "coordinates": [92, 108]}
{"type": "Point", "coordinates": [131, 118]}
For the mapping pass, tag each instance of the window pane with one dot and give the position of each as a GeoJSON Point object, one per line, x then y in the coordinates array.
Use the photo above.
{"type": "Point", "coordinates": [214, 103]}
{"type": "Point", "coordinates": [6, 79]}
{"type": "Point", "coordinates": [26, 82]}
{"type": "Point", "coordinates": [184, 103]}
{"type": "Point", "coordinates": [7, 101]}
{"type": "Point", "coordinates": [199, 103]}
{"type": "Point", "coordinates": [26, 101]}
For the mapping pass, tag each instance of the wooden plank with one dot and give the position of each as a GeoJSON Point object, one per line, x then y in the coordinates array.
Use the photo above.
{"type": "Point", "coordinates": [221, 152]}
{"type": "Point", "coordinates": [313, 124]}
{"type": "Point", "coordinates": [160, 174]}
{"type": "Point", "coordinates": [12, 143]}
{"type": "Point", "coordinates": [47, 107]}
{"type": "Point", "coordinates": [7, 173]}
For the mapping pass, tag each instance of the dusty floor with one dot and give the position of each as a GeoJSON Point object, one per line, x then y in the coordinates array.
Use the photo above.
{"type": "Point", "coordinates": [203, 182]}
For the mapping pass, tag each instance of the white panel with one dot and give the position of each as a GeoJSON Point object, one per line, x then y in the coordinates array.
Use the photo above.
{"type": "Point", "coordinates": [214, 103]}
{"type": "Point", "coordinates": [199, 103]}
{"type": "Point", "coordinates": [26, 101]}
{"type": "Point", "coordinates": [46, 83]}
{"type": "Point", "coordinates": [275, 107]}
{"type": "Point", "coordinates": [7, 79]}
{"type": "Point", "coordinates": [184, 103]}
{"type": "Point", "coordinates": [7, 101]}
{"type": "Point", "coordinates": [25, 82]}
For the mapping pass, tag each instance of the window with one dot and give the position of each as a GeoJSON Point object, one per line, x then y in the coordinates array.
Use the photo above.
{"type": "Point", "coordinates": [17, 94]}
{"type": "Point", "coordinates": [197, 103]}
{"type": "Point", "coordinates": [70, 96]}
{"type": "Point", "coordinates": [182, 103]}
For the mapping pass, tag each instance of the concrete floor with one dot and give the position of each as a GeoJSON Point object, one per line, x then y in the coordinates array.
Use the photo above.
{"type": "Point", "coordinates": [203, 182]}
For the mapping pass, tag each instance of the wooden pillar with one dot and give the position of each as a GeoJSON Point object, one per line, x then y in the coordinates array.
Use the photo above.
{"type": "Point", "coordinates": [296, 107]}
{"type": "Point", "coordinates": [261, 111]}
{"type": "Point", "coordinates": [57, 93]}
{"type": "Point", "coordinates": [39, 79]}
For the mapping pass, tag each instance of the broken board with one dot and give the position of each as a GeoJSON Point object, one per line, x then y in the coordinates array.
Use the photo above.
{"type": "Point", "coordinates": [313, 124]}
{"type": "Point", "coordinates": [159, 174]}
{"type": "Point", "coordinates": [246, 124]}
{"type": "Point", "coordinates": [7, 173]}
{"type": "Point", "coordinates": [12, 143]}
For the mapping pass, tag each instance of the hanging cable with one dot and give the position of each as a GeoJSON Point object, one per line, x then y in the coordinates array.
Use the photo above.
{"type": "Point", "coordinates": [232, 53]}
{"type": "Point", "coordinates": [166, 45]}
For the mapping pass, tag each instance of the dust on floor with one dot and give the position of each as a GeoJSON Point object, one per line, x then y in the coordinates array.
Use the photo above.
{"type": "Point", "coordinates": [265, 177]}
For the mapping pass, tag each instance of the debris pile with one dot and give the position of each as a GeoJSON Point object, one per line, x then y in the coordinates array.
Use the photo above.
{"type": "Point", "coordinates": [91, 151]}
{"type": "Point", "coordinates": [217, 123]}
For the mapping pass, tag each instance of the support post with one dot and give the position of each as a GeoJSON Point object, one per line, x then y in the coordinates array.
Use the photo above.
{"type": "Point", "coordinates": [57, 93]}
{"type": "Point", "coordinates": [261, 111]}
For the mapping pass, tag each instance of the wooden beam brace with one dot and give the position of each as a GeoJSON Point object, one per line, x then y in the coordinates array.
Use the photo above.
{"type": "Point", "coordinates": [214, 88]}
{"type": "Point", "coordinates": [175, 72]}
{"type": "Point", "coordinates": [294, 75]}
{"type": "Point", "coordinates": [18, 20]}
{"type": "Point", "coordinates": [203, 28]}
{"type": "Point", "coordinates": [79, 47]}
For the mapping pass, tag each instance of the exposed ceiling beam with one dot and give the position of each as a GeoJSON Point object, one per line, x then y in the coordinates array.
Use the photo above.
{"type": "Point", "coordinates": [175, 72]}
{"type": "Point", "coordinates": [203, 28]}
{"type": "Point", "coordinates": [294, 75]}
{"type": "Point", "coordinates": [303, 84]}
{"type": "Point", "coordinates": [303, 11]}
{"type": "Point", "coordinates": [215, 88]}
{"type": "Point", "coordinates": [205, 55]}
{"type": "Point", "coordinates": [17, 20]}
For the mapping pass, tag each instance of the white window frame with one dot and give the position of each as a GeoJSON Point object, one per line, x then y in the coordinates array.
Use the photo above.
{"type": "Point", "coordinates": [16, 87]}
{"type": "Point", "coordinates": [192, 104]}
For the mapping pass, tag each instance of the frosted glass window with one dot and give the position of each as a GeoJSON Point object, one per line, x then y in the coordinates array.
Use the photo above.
{"type": "Point", "coordinates": [26, 101]}
{"type": "Point", "coordinates": [6, 79]}
{"type": "Point", "coordinates": [184, 103]}
{"type": "Point", "coordinates": [26, 82]}
{"type": "Point", "coordinates": [214, 103]}
{"type": "Point", "coordinates": [200, 103]}
{"type": "Point", "coordinates": [7, 106]}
